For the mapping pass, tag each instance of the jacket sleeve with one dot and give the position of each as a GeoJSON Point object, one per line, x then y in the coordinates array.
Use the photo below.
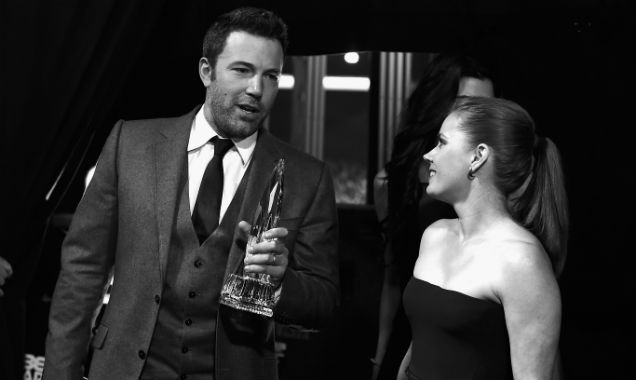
{"type": "Point", "coordinates": [310, 288]}
{"type": "Point", "coordinates": [86, 258]}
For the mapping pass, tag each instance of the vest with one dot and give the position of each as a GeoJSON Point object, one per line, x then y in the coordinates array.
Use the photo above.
{"type": "Point", "coordinates": [183, 342]}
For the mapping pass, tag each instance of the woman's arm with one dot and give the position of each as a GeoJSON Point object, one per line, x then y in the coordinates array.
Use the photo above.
{"type": "Point", "coordinates": [391, 294]}
{"type": "Point", "coordinates": [532, 303]}
{"type": "Point", "coordinates": [389, 304]}
{"type": "Point", "coordinates": [401, 375]}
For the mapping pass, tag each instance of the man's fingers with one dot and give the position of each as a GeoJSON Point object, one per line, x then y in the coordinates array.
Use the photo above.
{"type": "Point", "coordinates": [271, 259]}
{"type": "Point", "coordinates": [275, 233]}
{"type": "Point", "coordinates": [244, 226]}
{"type": "Point", "coordinates": [268, 246]}
{"type": "Point", "coordinates": [4, 265]}
{"type": "Point", "coordinates": [275, 272]}
{"type": "Point", "coordinates": [273, 265]}
{"type": "Point", "coordinates": [242, 233]}
{"type": "Point", "coordinates": [6, 272]}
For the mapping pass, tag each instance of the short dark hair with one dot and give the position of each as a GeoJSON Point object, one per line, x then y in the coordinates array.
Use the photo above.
{"type": "Point", "coordinates": [256, 21]}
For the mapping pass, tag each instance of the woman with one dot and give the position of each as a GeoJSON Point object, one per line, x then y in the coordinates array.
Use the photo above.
{"type": "Point", "coordinates": [401, 206]}
{"type": "Point", "coordinates": [484, 300]}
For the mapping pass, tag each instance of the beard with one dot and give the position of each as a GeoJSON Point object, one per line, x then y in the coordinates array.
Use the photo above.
{"type": "Point", "coordinates": [230, 122]}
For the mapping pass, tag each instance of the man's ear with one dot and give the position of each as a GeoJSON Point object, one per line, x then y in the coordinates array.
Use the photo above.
{"type": "Point", "coordinates": [206, 71]}
{"type": "Point", "coordinates": [480, 156]}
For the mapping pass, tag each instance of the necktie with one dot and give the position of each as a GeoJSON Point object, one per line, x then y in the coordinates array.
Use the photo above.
{"type": "Point", "coordinates": [205, 216]}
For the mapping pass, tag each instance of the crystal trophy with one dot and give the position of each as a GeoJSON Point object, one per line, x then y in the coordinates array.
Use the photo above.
{"type": "Point", "coordinates": [254, 292]}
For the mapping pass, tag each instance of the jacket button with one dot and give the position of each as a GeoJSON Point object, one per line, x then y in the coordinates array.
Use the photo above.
{"type": "Point", "coordinates": [192, 294]}
{"type": "Point", "coordinates": [188, 322]}
{"type": "Point", "coordinates": [142, 354]}
{"type": "Point", "coordinates": [157, 299]}
{"type": "Point", "coordinates": [184, 349]}
{"type": "Point", "coordinates": [198, 263]}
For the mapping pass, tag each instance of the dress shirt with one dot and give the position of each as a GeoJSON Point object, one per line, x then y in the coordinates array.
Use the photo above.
{"type": "Point", "coordinates": [235, 162]}
{"type": "Point", "coordinates": [201, 151]}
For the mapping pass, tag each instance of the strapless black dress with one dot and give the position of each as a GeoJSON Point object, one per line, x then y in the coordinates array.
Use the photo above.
{"type": "Point", "coordinates": [455, 336]}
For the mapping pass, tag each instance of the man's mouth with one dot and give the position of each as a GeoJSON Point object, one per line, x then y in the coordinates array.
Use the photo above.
{"type": "Point", "coordinates": [249, 108]}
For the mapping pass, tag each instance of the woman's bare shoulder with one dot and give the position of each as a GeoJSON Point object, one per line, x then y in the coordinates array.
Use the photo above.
{"type": "Point", "coordinates": [520, 255]}
{"type": "Point", "coordinates": [439, 230]}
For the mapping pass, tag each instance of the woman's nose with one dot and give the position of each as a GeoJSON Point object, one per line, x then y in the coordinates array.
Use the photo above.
{"type": "Point", "coordinates": [427, 157]}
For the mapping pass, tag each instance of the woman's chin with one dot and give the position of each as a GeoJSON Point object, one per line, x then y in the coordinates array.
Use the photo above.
{"type": "Point", "coordinates": [437, 194]}
{"type": "Point", "coordinates": [430, 190]}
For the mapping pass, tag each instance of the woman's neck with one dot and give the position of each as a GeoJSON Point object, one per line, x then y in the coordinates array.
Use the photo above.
{"type": "Point", "coordinates": [480, 212]}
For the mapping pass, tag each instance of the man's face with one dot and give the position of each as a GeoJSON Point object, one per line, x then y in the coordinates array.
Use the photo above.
{"type": "Point", "coordinates": [241, 88]}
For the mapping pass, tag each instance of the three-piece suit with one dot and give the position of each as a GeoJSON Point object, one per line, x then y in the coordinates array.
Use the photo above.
{"type": "Point", "coordinates": [135, 218]}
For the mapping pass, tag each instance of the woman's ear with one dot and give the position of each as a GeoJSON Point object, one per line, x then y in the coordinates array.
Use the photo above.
{"type": "Point", "coordinates": [480, 156]}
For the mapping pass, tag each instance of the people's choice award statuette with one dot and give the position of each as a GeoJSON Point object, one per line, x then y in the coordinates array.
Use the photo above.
{"type": "Point", "coordinates": [254, 292]}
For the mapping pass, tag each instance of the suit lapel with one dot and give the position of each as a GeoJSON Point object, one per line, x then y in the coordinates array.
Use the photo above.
{"type": "Point", "coordinates": [265, 156]}
{"type": "Point", "coordinates": [171, 171]}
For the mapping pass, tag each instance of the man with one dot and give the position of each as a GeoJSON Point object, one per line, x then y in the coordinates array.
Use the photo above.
{"type": "Point", "coordinates": [11, 351]}
{"type": "Point", "coordinates": [6, 271]}
{"type": "Point", "coordinates": [141, 214]}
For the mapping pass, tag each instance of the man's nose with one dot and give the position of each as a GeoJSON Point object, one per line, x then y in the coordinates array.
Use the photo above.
{"type": "Point", "coordinates": [255, 86]}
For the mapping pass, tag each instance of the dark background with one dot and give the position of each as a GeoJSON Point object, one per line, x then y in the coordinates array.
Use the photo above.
{"type": "Point", "coordinates": [71, 68]}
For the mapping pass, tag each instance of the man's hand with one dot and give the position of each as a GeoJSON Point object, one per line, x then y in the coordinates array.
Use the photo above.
{"type": "Point", "coordinates": [270, 256]}
{"type": "Point", "coordinates": [6, 271]}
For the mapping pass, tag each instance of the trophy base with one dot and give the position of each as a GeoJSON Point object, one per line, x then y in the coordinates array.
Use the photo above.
{"type": "Point", "coordinates": [250, 307]}
{"type": "Point", "coordinates": [251, 294]}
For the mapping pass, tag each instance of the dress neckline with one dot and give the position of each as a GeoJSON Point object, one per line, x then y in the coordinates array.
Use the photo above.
{"type": "Point", "coordinates": [489, 302]}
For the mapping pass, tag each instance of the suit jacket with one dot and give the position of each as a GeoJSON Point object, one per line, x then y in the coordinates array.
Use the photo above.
{"type": "Point", "coordinates": [125, 219]}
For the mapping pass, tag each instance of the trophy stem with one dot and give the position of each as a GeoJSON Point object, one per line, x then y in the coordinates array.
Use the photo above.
{"type": "Point", "coordinates": [254, 292]}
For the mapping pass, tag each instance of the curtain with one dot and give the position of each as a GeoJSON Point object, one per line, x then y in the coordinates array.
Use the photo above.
{"type": "Point", "coordinates": [63, 65]}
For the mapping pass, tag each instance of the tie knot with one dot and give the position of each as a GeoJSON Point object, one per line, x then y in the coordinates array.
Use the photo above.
{"type": "Point", "coordinates": [221, 146]}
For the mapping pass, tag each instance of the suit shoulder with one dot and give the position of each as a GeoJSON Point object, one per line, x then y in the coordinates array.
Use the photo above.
{"type": "Point", "coordinates": [147, 125]}
{"type": "Point", "coordinates": [166, 125]}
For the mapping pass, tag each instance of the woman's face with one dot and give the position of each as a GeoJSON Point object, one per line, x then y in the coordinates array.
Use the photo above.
{"type": "Point", "coordinates": [449, 162]}
{"type": "Point", "coordinates": [468, 86]}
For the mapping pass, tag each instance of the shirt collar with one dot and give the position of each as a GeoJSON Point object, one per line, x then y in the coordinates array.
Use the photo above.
{"type": "Point", "coordinates": [201, 132]}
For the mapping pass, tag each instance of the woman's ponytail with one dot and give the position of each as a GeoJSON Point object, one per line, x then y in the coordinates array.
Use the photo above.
{"type": "Point", "coordinates": [543, 206]}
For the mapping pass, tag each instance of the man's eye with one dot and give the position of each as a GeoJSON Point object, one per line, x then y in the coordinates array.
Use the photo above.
{"type": "Point", "coordinates": [273, 77]}
{"type": "Point", "coordinates": [241, 70]}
